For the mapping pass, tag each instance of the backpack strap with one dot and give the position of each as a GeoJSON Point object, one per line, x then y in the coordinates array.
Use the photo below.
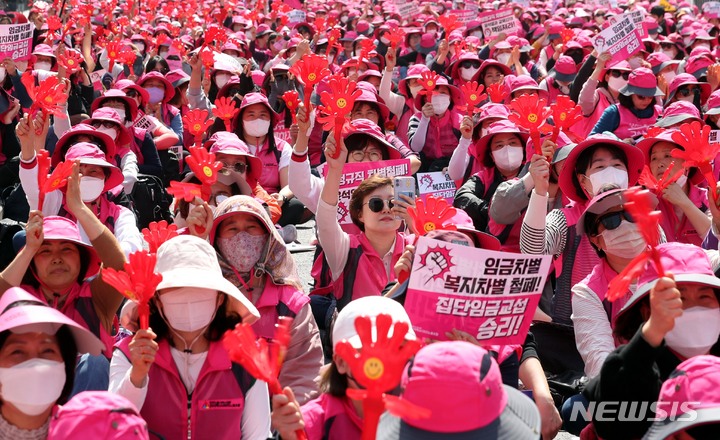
{"type": "Point", "coordinates": [326, 427]}
{"type": "Point", "coordinates": [243, 378]}
{"type": "Point", "coordinates": [349, 276]}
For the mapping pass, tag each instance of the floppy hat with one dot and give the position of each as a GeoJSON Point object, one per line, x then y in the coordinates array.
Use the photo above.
{"type": "Point", "coordinates": [22, 312]}
{"type": "Point", "coordinates": [635, 163]}
{"type": "Point", "coordinates": [464, 224]}
{"type": "Point", "coordinates": [601, 203]}
{"type": "Point", "coordinates": [683, 79]}
{"type": "Point", "coordinates": [659, 61]}
{"type": "Point", "coordinates": [64, 229]}
{"type": "Point", "coordinates": [61, 146]}
{"type": "Point", "coordinates": [372, 97]}
{"type": "Point", "coordinates": [189, 261]}
{"type": "Point", "coordinates": [694, 383]}
{"type": "Point", "coordinates": [491, 63]}
{"type": "Point", "coordinates": [91, 154]}
{"type": "Point", "coordinates": [110, 115]}
{"type": "Point", "coordinates": [366, 127]}
{"type": "Point", "coordinates": [646, 144]}
{"type": "Point", "coordinates": [228, 143]}
{"type": "Point", "coordinates": [169, 89]}
{"type": "Point", "coordinates": [370, 306]}
{"type": "Point", "coordinates": [688, 264]}
{"type": "Point", "coordinates": [565, 69]}
{"type": "Point", "coordinates": [116, 94]}
{"type": "Point", "coordinates": [697, 65]}
{"type": "Point", "coordinates": [177, 77]}
{"type": "Point", "coordinates": [642, 82]}
{"type": "Point", "coordinates": [256, 98]}
{"type": "Point", "coordinates": [713, 104]}
{"type": "Point", "coordinates": [677, 112]}
{"type": "Point", "coordinates": [460, 383]}
{"type": "Point", "coordinates": [523, 82]}
{"type": "Point", "coordinates": [479, 148]}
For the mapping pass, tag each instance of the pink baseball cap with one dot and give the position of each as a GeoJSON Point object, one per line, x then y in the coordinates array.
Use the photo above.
{"type": "Point", "coordinates": [91, 154]}
{"type": "Point", "coordinates": [692, 386]}
{"type": "Point", "coordinates": [642, 82]}
{"type": "Point", "coordinates": [63, 229]}
{"type": "Point", "coordinates": [22, 312]}
{"type": "Point", "coordinates": [475, 401]}
{"type": "Point", "coordinates": [229, 143]}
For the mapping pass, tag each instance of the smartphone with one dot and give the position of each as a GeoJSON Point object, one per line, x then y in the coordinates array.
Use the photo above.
{"type": "Point", "coordinates": [404, 185]}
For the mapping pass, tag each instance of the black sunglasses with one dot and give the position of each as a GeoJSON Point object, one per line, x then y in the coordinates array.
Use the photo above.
{"type": "Point", "coordinates": [619, 73]}
{"type": "Point", "coordinates": [132, 94]}
{"type": "Point", "coordinates": [687, 91]}
{"type": "Point", "coordinates": [469, 63]}
{"type": "Point", "coordinates": [612, 220]}
{"type": "Point", "coordinates": [376, 204]}
{"type": "Point", "coordinates": [238, 168]}
{"type": "Point", "coordinates": [667, 45]}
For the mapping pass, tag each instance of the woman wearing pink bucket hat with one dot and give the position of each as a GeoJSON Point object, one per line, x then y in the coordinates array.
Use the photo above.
{"type": "Point", "coordinates": [636, 109]}
{"type": "Point", "coordinates": [667, 320]}
{"type": "Point", "coordinates": [38, 350]}
{"type": "Point", "coordinates": [98, 178]}
{"type": "Point", "coordinates": [160, 91]}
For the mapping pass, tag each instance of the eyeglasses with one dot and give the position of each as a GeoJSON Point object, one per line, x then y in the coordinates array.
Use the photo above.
{"type": "Point", "coordinates": [132, 94]}
{"type": "Point", "coordinates": [360, 155]}
{"type": "Point", "coordinates": [238, 168]}
{"type": "Point", "coordinates": [612, 220]}
{"type": "Point", "coordinates": [470, 63]}
{"type": "Point", "coordinates": [376, 204]}
{"type": "Point", "coordinates": [687, 91]}
{"type": "Point", "coordinates": [104, 124]}
{"type": "Point", "coordinates": [619, 73]}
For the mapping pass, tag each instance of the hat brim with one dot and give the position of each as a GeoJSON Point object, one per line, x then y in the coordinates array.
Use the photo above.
{"type": "Point", "coordinates": [562, 153]}
{"type": "Point", "coordinates": [115, 178]}
{"type": "Point", "coordinates": [129, 101]}
{"type": "Point", "coordinates": [564, 77]}
{"type": "Point", "coordinates": [642, 91]}
{"type": "Point", "coordinates": [662, 429]}
{"type": "Point", "coordinates": [520, 420]}
{"type": "Point", "coordinates": [713, 111]}
{"type": "Point", "coordinates": [85, 341]}
{"type": "Point", "coordinates": [393, 153]}
{"type": "Point", "coordinates": [61, 146]}
{"type": "Point", "coordinates": [484, 240]}
{"type": "Point", "coordinates": [672, 120]}
{"type": "Point", "coordinates": [169, 89]}
{"type": "Point", "coordinates": [609, 200]}
{"type": "Point", "coordinates": [187, 277]}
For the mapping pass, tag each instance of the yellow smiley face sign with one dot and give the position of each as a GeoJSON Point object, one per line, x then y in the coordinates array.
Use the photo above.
{"type": "Point", "coordinates": [563, 116]}
{"type": "Point", "coordinates": [373, 368]}
{"type": "Point", "coordinates": [207, 171]}
{"type": "Point", "coordinates": [532, 117]}
{"type": "Point", "coordinates": [341, 103]}
{"type": "Point", "coordinates": [429, 226]}
{"type": "Point", "coordinates": [312, 76]}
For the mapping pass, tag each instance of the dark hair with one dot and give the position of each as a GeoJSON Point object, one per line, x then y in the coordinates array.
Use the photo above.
{"type": "Point", "coordinates": [177, 98]}
{"type": "Point", "coordinates": [30, 277]}
{"type": "Point", "coordinates": [361, 141]}
{"type": "Point", "coordinates": [376, 107]}
{"type": "Point", "coordinates": [482, 73]}
{"type": "Point", "coordinates": [488, 160]}
{"type": "Point", "coordinates": [366, 187]}
{"type": "Point", "coordinates": [583, 162]}
{"type": "Point", "coordinates": [103, 101]}
{"type": "Point", "coordinates": [270, 135]}
{"type": "Point", "coordinates": [68, 352]}
{"type": "Point", "coordinates": [223, 321]}
{"type": "Point", "coordinates": [333, 382]}
{"type": "Point", "coordinates": [154, 61]}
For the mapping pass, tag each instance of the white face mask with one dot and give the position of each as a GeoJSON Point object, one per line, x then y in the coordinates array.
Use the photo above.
{"type": "Point", "coordinates": [384, 41]}
{"type": "Point", "coordinates": [140, 46]}
{"type": "Point", "coordinates": [468, 73]}
{"type": "Point", "coordinates": [608, 176]}
{"type": "Point", "coordinates": [121, 113]}
{"type": "Point", "coordinates": [221, 79]}
{"type": "Point", "coordinates": [257, 128]}
{"type": "Point", "coordinates": [508, 158]}
{"type": "Point", "coordinates": [503, 58]}
{"type": "Point", "coordinates": [189, 309]}
{"type": "Point", "coordinates": [43, 65]}
{"type": "Point", "coordinates": [670, 53]}
{"type": "Point", "coordinates": [705, 45]}
{"type": "Point", "coordinates": [682, 180]}
{"type": "Point", "coordinates": [615, 84]}
{"type": "Point", "coordinates": [91, 188]}
{"type": "Point", "coordinates": [440, 103]}
{"type": "Point", "coordinates": [33, 386]}
{"type": "Point", "coordinates": [414, 90]}
{"type": "Point", "coordinates": [478, 34]}
{"type": "Point", "coordinates": [564, 88]}
{"type": "Point", "coordinates": [112, 132]}
{"type": "Point", "coordinates": [164, 54]}
{"type": "Point", "coordinates": [669, 76]}
{"type": "Point", "coordinates": [695, 331]}
{"type": "Point", "coordinates": [625, 241]}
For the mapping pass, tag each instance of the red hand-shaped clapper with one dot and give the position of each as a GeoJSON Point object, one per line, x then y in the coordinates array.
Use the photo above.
{"type": "Point", "coordinates": [565, 114]}
{"type": "Point", "coordinates": [699, 152]}
{"type": "Point", "coordinates": [529, 112]}
{"type": "Point", "coordinates": [473, 93]}
{"type": "Point", "coordinates": [197, 123]}
{"type": "Point", "coordinates": [496, 92]}
{"type": "Point", "coordinates": [205, 168]}
{"type": "Point", "coordinates": [377, 366]}
{"type": "Point", "coordinates": [158, 233]}
{"type": "Point", "coordinates": [428, 80]}
{"type": "Point", "coordinates": [292, 102]}
{"type": "Point", "coordinates": [310, 70]}
{"type": "Point", "coordinates": [226, 109]}
{"type": "Point", "coordinates": [137, 282]}
{"type": "Point", "coordinates": [336, 107]}
{"type": "Point", "coordinates": [395, 36]}
{"type": "Point", "coordinates": [43, 158]}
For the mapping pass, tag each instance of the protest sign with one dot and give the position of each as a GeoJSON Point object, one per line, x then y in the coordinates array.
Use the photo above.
{"type": "Point", "coordinates": [711, 9]}
{"type": "Point", "coordinates": [407, 9]}
{"type": "Point", "coordinates": [355, 173]}
{"type": "Point", "coordinates": [145, 122]}
{"type": "Point", "coordinates": [436, 184]}
{"type": "Point", "coordinates": [490, 295]}
{"type": "Point", "coordinates": [96, 79]}
{"type": "Point", "coordinates": [464, 16]}
{"type": "Point", "coordinates": [296, 16]}
{"type": "Point", "coordinates": [714, 137]}
{"type": "Point", "coordinates": [636, 17]}
{"type": "Point", "coordinates": [621, 40]}
{"type": "Point", "coordinates": [15, 41]}
{"type": "Point", "coordinates": [496, 22]}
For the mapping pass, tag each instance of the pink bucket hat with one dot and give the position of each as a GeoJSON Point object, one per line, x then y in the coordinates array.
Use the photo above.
{"type": "Point", "coordinates": [476, 403]}
{"type": "Point", "coordinates": [482, 240]}
{"type": "Point", "coordinates": [642, 82]}
{"type": "Point", "coordinates": [91, 154]}
{"type": "Point", "coordinates": [523, 82]}
{"type": "Point", "coordinates": [565, 69]}
{"type": "Point", "coordinates": [479, 149]}
{"type": "Point", "coordinates": [63, 229]}
{"type": "Point", "coordinates": [256, 98]}
{"type": "Point", "coordinates": [697, 65]}
{"type": "Point", "coordinates": [126, 85]}
{"type": "Point", "coordinates": [659, 61]}
{"type": "Point", "coordinates": [117, 94]}
{"type": "Point", "coordinates": [713, 104]}
{"type": "Point", "coordinates": [366, 127]}
{"type": "Point", "coordinates": [169, 89]}
{"type": "Point", "coordinates": [371, 97]}
{"type": "Point", "coordinates": [491, 63]}
{"type": "Point", "coordinates": [22, 312]}
{"type": "Point", "coordinates": [413, 72]}
{"type": "Point", "coordinates": [692, 386]}
{"type": "Point", "coordinates": [647, 144]}
{"type": "Point", "coordinates": [43, 50]}
{"type": "Point", "coordinates": [688, 79]}
{"type": "Point", "coordinates": [107, 114]}
{"type": "Point", "coordinates": [228, 143]}
{"type": "Point", "coordinates": [678, 112]}
{"type": "Point", "coordinates": [63, 144]}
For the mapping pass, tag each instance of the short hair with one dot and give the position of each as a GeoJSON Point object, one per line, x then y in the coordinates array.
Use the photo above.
{"type": "Point", "coordinates": [366, 188]}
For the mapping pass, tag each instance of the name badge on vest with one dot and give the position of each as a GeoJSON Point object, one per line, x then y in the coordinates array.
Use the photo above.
{"type": "Point", "coordinates": [221, 404]}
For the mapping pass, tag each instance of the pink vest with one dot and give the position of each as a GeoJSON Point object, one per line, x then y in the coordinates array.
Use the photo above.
{"type": "Point", "coordinates": [79, 307]}
{"type": "Point", "coordinates": [583, 127]}
{"type": "Point", "coordinates": [441, 139]}
{"type": "Point", "coordinates": [270, 177]}
{"type": "Point", "coordinates": [274, 302]}
{"type": "Point", "coordinates": [682, 230]}
{"type": "Point", "coordinates": [217, 402]}
{"type": "Point", "coordinates": [631, 126]}
{"type": "Point", "coordinates": [331, 418]}
{"type": "Point", "coordinates": [552, 91]}
{"type": "Point", "coordinates": [598, 282]}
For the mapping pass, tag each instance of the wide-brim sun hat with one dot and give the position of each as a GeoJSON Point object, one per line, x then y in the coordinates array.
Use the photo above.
{"type": "Point", "coordinates": [169, 89]}
{"type": "Point", "coordinates": [365, 127]}
{"type": "Point", "coordinates": [228, 143]}
{"type": "Point", "coordinates": [90, 154]}
{"type": "Point", "coordinates": [503, 126]}
{"type": "Point", "coordinates": [116, 94]}
{"type": "Point", "coordinates": [63, 144]}
{"type": "Point", "coordinates": [642, 82]}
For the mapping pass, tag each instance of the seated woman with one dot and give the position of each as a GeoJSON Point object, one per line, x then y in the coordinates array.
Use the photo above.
{"type": "Point", "coordinates": [159, 93]}
{"type": "Point", "coordinates": [359, 264]}
{"type": "Point", "coordinates": [177, 372]}
{"type": "Point", "coordinates": [99, 177]}
{"type": "Point", "coordinates": [254, 258]}
{"type": "Point", "coordinates": [666, 321]}
{"type": "Point", "coordinates": [61, 269]}
{"type": "Point", "coordinates": [685, 208]}
{"type": "Point", "coordinates": [38, 350]}
{"type": "Point", "coordinates": [333, 415]}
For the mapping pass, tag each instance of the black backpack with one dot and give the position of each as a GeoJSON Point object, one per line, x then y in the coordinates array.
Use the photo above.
{"type": "Point", "coordinates": [8, 228]}
{"type": "Point", "coordinates": [150, 201]}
